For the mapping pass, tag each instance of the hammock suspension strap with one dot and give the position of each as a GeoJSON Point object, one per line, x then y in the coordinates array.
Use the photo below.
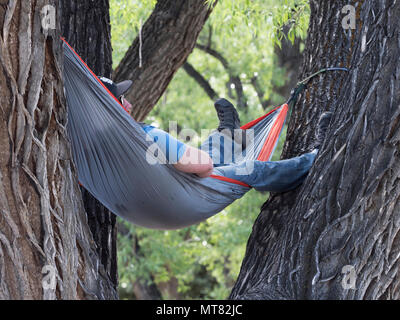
{"type": "Point", "coordinates": [303, 83]}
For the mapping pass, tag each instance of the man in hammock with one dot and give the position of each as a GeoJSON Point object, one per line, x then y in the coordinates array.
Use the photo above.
{"type": "Point", "coordinates": [275, 176]}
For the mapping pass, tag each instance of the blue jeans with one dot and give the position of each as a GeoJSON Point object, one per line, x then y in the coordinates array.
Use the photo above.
{"type": "Point", "coordinates": [273, 176]}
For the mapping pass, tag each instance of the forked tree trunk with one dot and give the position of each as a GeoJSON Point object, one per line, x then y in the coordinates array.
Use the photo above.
{"type": "Point", "coordinates": [338, 235]}
{"type": "Point", "coordinates": [46, 248]}
{"type": "Point", "coordinates": [167, 39]}
{"type": "Point", "coordinates": [86, 26]}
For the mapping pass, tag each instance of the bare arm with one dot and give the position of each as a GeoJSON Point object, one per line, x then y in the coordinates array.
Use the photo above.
{"type": "Point", "coordinates": [195, 161]}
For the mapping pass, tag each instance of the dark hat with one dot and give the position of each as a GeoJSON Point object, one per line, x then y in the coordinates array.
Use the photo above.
{"type": "Point", "coordinates": [117, 89]}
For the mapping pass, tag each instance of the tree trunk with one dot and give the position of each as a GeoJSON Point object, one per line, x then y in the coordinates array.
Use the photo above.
{"type": "Point", "coordinates": [86, 26]}
{"type": "Point", "coordinates": [168, 37]}
{"type": "Point", "coordinates": [337, 236]}
{"type": "Point", "coordinates": [46, 248]}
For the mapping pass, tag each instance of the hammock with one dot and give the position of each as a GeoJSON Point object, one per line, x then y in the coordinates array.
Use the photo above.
{"type": "Point", "coordinates": [109, 151]}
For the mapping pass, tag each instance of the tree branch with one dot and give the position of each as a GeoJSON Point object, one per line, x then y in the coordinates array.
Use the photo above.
{"type": "Point", "coordinates": [192, 72]}
{"type": "Point", "coordinates": [260, 92]}
{"type": "Point", "coordinates": [233, 78]}
{"type": "Point", "coordinates": [216, 55]}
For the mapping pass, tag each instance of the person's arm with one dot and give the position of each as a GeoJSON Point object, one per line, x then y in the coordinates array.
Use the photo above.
{"type": "Point", "coordinates": [183, 157]}
{"type": "Point", "coordinates": [195, 161]}
{"type": "Point", "coordinates": [192, 161]}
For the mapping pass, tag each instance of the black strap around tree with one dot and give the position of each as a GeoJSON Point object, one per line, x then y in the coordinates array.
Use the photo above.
{"type": "Point", "coordinates": [302, 84]}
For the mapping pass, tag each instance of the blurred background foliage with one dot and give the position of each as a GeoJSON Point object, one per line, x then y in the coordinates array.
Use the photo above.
{"type": "Point", "coordinates": [248, 52]}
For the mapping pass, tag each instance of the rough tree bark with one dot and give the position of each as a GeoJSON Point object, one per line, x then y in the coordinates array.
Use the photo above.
{"type": "Point", "coordinates": [46, 248]}
{"type": "Point", "coordinates": [168, 37]}
{"type": "Point", "coordinates": [86, 26]}
{"type": "Point", "coordinates": [347, 213]}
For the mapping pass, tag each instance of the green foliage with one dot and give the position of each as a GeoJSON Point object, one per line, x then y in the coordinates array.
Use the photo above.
{"type": "Point", "coordinates": [127, 16]}
{"type": "Point", "coordinates": [205, 259]}
{"type": "Point", "coordinates": [218, 245]}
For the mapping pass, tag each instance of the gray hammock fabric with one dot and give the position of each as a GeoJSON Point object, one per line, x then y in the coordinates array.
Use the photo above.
{"type": "Point", "coordinates": [109, 150]}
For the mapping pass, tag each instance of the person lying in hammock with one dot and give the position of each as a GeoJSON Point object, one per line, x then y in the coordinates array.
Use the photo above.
{"type": "Point", "coordinates": [273, 176]}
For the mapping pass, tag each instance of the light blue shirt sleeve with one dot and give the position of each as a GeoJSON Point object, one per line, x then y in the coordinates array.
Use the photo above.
{"type": "Point", "coordinates": [172, 148]}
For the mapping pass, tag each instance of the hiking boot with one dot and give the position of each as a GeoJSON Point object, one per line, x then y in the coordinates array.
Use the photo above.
{"type": "Point", "coordinates": [227, 115]}
{"type": "Point", "coordinates": [323, 125]}
{"type": "Point", "coordinates": [229, 119]}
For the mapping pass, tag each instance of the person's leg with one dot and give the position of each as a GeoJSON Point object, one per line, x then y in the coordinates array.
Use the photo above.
{"type": "Point", "coordinates": [227, 115]}
{"type": "Point", "coordinates": [277, 176]}
{"type": "Point", "coordinates": [221, 148]}
{"type": "Point", "coordinates": [226, 142]}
